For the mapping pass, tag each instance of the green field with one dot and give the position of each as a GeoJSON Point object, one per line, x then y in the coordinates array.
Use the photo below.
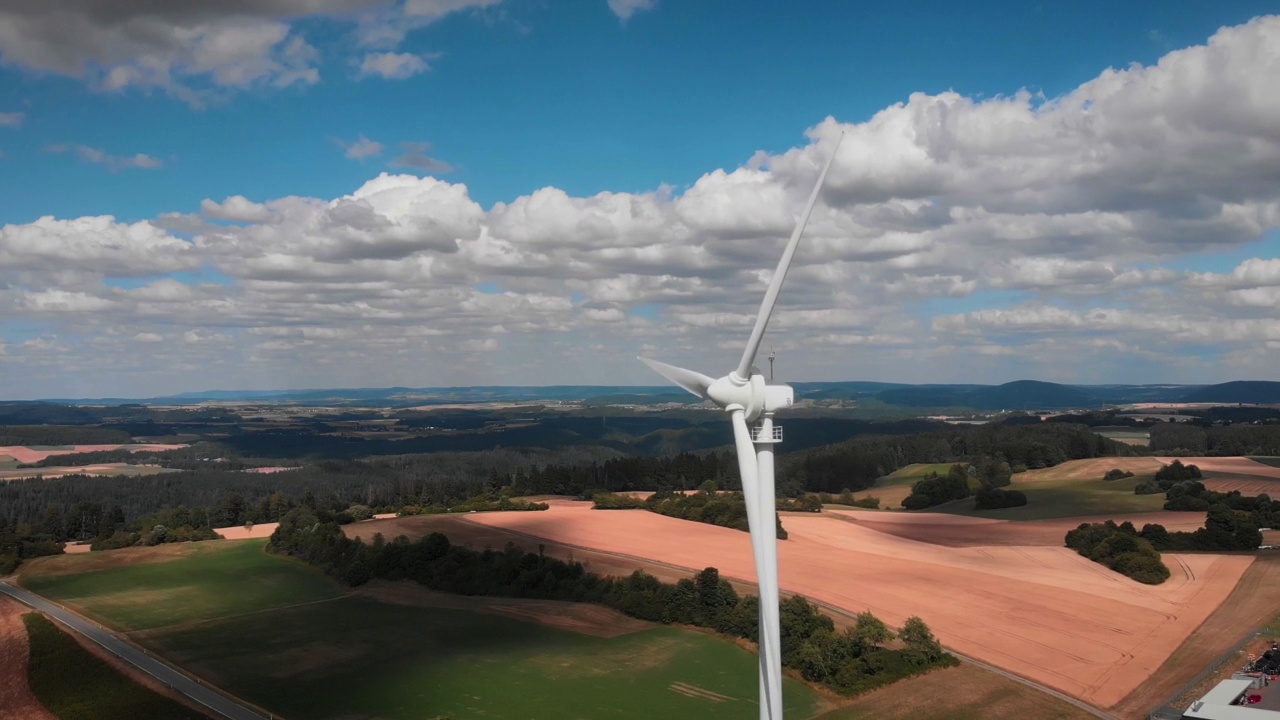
{"type": "Point", "coordinates": [358, 657]}
{"type": "Point", "coordinates": [280, 634]}
{"type": "Point", "coordinates": [75, 685]}
{"type": "Point", "coordinates": [212, 579]}
{"type": "Point", "coordinates": [895, 486]}
{"type": "Point", "coordinates": [1271, 460]}
{"type": "Point", "coordinates": [1059, 498]}
{"type": "Point", "coordinates": [964, 692]}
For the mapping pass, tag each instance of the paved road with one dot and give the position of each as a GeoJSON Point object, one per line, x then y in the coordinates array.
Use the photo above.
{"type": "Point", "coordinates": [220, 704]}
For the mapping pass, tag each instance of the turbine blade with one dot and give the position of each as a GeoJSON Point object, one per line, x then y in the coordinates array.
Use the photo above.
{"type": "Point", "coordinates": [691, 380]}
{"type": "Point", "coordinates": [775, 285]}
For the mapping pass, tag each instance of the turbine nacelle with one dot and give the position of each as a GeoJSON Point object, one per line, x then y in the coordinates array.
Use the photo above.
{"type": "Point", "coordinates": [733, 392]}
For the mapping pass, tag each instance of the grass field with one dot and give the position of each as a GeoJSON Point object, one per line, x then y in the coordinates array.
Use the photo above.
{"type": "Point", "coordinates": [892, 488]}
{"type": "Point", "coordinates": [964, 692]}
{"type": "Point", "coordinates": [356, 657]}
{"type": "Point", "coordinates": [205, 580]}
{"type": "Point", "coordinates": [1048, 499]}
{"type": "Point", "coordinates": [75, 685]}
{"type": "Point", "coordinates": [279, 633]}
{"type": "Point", "coordinates": [1266, 460]}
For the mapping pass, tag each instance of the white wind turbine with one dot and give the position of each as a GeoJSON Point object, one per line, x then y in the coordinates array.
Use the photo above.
{"type": "Point", "coordinates": [749, 398]}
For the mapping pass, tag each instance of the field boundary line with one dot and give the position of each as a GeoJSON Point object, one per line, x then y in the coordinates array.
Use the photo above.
{"type": "Point", "coordinates": [1091, 709]}
{"type": "Point", "coordinates": [243, 709]}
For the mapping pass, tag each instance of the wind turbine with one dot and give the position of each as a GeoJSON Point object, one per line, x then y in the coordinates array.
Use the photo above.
{"type": "Point", "coordinates": [749, 398]}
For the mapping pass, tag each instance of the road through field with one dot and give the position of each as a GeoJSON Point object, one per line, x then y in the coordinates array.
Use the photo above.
{"type": "Point", "coordinates": [150, 664]}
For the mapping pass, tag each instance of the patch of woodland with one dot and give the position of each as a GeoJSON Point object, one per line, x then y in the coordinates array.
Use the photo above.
{"type": "Point", "coordinates": [1136, 553]}
{"type": "Point", "coordinates": [862, 658]}
{"type": "Point", "coordinates": [1117, 474]}
{"type": "Point", "coordinates": [707, 505]}
{"type": "Point", "coordinates": [991, 476]}
{"type": "Point", "coordinates": [857, 463]}
{"type": "Point", "coordinates": [1189, 495]}
{"type": "Point", "coordinates": [1121, 548]}
{"type": "Point", "coordinates": [1223, 438]}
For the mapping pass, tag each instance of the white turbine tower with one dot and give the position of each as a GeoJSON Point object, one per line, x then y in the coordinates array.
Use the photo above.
{"type": "Point", "coordinates": [749, 398]}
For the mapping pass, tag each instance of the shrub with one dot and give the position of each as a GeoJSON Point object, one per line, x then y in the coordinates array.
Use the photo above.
{"type": "Point", "coordinates": [1117, 474]}
{"type": "Point", "coordinates": [995, 498]}
{"type": "Point", "coordinates": [1147, 487]}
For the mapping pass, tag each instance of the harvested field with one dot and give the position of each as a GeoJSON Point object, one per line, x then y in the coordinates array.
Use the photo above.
{"type": "Point", "coordinates": [594, 620]}
{"type": "Point", "coordinates": [1090, 469]}
{"type": "Point", "coordinates": [100, 469]}
{"type": "Point", "coordinates": [17, 702]}
{"type": "Point", "coordinates": [1212, 466]}
{"type": "Point", "coordinates": [1042, 612]}
{"type": "Point", "coordinates": [478, 537]}
{"type": "Point", "coordinates": [966, 531]}
{"type": "Point", "coordinates": [1253, 602]}
{"type": "Point", "coordinates": [238, 532]}
{"type": "Point", "coordinates": [55, 565]}
{"type": "Point", "coordinates": [35, 454]}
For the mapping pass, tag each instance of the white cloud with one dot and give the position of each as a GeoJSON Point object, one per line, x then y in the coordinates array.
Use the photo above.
{"type": "Point", "coordinates": [624, 9]}
{"type": "Point", "coordinates": [112, 162]}
{"type": "Point", "coordinates": [1057, 239]}
{"type": "Point", "coordinates": [12, 119]}
{"type": "Point", "coordinates": [362, 148]}
{"type": "Point", "coordinates": [198, 51]}
{"type": "Point", "coordinates": [392, 66]}
{"type": "Point", "coordinates": [417, 155]}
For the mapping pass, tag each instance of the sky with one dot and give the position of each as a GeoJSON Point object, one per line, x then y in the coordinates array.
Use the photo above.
{"type": "Point", "coordinates": [282, 194]}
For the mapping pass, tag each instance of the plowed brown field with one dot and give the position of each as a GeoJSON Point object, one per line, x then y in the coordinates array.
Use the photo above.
{"type": "Point", "coordinates": [965, 531]}
{"type": "Point", "coordinates": [27, 455]}
{"type": "Point", "coordinates": [17, 702]}
{"type": "Point", "coordinates": [1042, 612]}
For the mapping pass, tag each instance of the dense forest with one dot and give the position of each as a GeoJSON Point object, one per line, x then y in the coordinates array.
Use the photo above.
{"type": "Point", "coordinates": [852, 662]}
{"type": "Point", "coordinates": [229, 496]}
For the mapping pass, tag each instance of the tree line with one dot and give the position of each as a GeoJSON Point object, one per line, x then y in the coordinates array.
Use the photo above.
{"type": "Point", "coordinates": [707, 505]}
{"type": "Point", "coordinates": [855, 661]}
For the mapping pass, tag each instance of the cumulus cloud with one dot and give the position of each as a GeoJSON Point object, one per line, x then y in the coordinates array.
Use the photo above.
{"type": "Point", "coordinates": [112, 162]}
{"type": "Point", "coordinates": [1053, 238]}
{"type": "Point", "coordinates": [392, 66]}
{"type": "Point", "coordinates": [196, 51]}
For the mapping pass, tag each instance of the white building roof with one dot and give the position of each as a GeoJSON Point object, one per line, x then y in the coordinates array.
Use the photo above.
{"type": "Point", "coordinates": [1226, 692]}
{"type": "Point", "coordinates": [1216, 704]}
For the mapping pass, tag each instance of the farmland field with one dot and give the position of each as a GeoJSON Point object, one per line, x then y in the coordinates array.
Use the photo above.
{"type": "Point", "coordinates": [152, 587]}
{"type": "Point", "coordinates": [277, 632]}
{"type": "Point", "coordinates": [895, 486]}
{"type": "Point", "coordinates": [359, 657]}
{"type": "Point", "coordinates": [1043, 612]}
{"type": "Point", "coordinates": [964, 692]}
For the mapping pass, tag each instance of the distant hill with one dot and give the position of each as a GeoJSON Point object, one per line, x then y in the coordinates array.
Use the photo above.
{"type": "Point", "coordinates": [1017, 395]}
{"type": "Point", "coordinates": [1237, 391]}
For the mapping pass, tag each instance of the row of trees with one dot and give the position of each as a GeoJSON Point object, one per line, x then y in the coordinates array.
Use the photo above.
{"type": "Point", "coordinates": [857, 463]}
{"type": "Point", "coordinates": [707, 505]}
{"type": "Point", "coordinates": [850, 662]}
{"type": "Point", "coordinates": [1218, 440]}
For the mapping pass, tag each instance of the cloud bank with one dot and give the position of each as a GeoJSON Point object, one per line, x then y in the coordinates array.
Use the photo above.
{"type": "Point", "coordinates": [958, 240]}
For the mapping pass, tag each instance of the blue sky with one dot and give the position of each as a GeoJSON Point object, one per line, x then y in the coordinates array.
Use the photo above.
{"type": "Point", "coordinates": [641, 100]}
